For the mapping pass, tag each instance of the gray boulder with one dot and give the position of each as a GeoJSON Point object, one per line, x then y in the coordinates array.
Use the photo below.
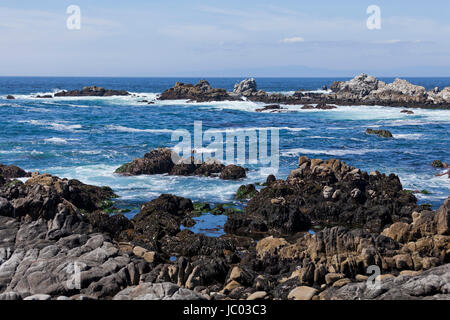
{"type": "Point", "coordinates": [157, 291]}
{"type": "Point", "coordinates": [246, 87]}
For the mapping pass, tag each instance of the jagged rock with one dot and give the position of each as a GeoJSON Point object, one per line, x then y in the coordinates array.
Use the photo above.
{"type": "Point", "coordinates": [359, 86]}
{"type": "Point", "coordinates": [246, 192]}
{"type": "Point", "coordinates": [400, 90]}
{"type": "Point", "coordinates": [92, 91]}
{"type": "Point", "coordinates": [162, 160]}
{"type": "Point", "coordinates": [437, 164]}
{"type": "Point", "coordinates": [161, 217]}
{"type": "Point", "coordinates": [429, 285]}
{"type": "Point", "coordinates": [12, 172]}
{"type": "Point", "coordinates": [232, 172]}
{"type": "Point", "coordinates": [157, 161]}
{"type": "Point", "coordinates": [381, 133]}
{"type": "Point", "coordinates": [442, 218]}
{"type": "Point", "coordinates": [270, 246]}
{"type": "Point", "coordinates": [246, 87]}
{"type": "Point", "coordinates": [201, 92]}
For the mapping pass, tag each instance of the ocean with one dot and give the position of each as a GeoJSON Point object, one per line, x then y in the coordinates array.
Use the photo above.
{"type": "Point", "coordinates": [87, 138]}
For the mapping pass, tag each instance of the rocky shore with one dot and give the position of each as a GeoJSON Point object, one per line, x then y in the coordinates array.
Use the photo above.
{"type": "Point", "coordinates": [361, 90]}
{"type": "Point", "coordinates": [312, 236]}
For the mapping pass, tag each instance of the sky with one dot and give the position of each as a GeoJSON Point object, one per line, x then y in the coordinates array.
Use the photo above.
{"type": "Point", "coordinates": [290, 38]}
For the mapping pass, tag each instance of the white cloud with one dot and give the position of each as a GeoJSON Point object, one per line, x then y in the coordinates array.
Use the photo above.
{"type": "Point", "coordinates": [293, 40]}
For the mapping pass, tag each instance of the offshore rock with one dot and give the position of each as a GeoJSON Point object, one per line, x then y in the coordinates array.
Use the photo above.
{"type": "Point", "coordinates": [92, 91]}
{"type": "Point", "coordinates": [162, 160]}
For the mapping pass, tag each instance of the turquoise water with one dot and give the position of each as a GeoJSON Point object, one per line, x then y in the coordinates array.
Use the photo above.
{"type": "Point", "coordinates": [88, 138]}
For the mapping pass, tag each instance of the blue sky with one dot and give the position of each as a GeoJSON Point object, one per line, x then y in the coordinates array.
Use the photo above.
{"type": "Point", "coordinates": [224, 38]}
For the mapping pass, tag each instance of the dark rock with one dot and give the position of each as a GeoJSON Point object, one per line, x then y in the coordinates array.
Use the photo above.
{"type": "Point", "coordinates": [437, 164]}
{"type": "Point", "coordinates": [10, 97]}
{"type": "Point", "coordinates": [201, 92]}
{"type": "Point", "coordinates": [270, 179]}
{"type": "Point", "coordinates": [324, 106]}
{"type": "Point", "coordinates": [162, 160]}
{"type": "Point", "coordinates": [112, 225]}
{"type": "Point", "coordinates": [329, 192]}
{"type": "Point", "coordinates": [429, 285]}
{"type": "Point", "coordinates": [161, 217]}
{"type": "Point", "coordinates": [381, 133]}
{"type": "Point", "coordinates": [272, 107]}
{"type": "Point", "coordinates": [11, 172]}
{"type": "Point", "coordinates": [157, 161]}
{"type": "Point", "coordinates": [233, 172]}
{"type": "Point", "coordinates": [92, 91]}
{"type": "Point", "coordinates": [246, 192]}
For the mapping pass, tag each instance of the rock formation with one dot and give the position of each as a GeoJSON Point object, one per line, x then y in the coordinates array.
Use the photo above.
{"type": "Point", "coordinates": [92, 91]}
{"type": "Point", "coordinates": [162, 160]}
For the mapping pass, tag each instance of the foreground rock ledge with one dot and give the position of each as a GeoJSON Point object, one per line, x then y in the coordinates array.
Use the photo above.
{"type": "Point", "coordinates": [151, 257]}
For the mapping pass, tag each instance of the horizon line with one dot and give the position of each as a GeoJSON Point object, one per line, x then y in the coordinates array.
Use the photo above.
{"type": "Point", "coordinates": [217, 77]}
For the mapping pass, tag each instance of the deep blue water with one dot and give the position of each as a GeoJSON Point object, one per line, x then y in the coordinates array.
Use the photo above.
{"type": "Point", "coordinates": [88, 138]}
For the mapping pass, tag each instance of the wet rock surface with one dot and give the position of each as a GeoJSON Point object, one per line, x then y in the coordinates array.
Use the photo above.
{"type": "Point", "coordinates": [12, 172]}
{"type": "Point", "coordinates": [52, 248]}
{"type": "Point", "coordinates": [164, 161]}
{"type": "Point", "coordinates": [380, 133]}
{"type": "Point", "coordinates": [327, 192]}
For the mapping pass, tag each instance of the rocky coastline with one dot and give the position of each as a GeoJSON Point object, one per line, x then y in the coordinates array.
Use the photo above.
{"type": "Point", "coordinates": [312, 236]}
{"type": "Point", "coordinates": [361, 90]}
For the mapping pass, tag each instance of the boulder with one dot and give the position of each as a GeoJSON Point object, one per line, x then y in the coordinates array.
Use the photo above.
{"type": "Point", "coordinates": [232, 172]}
{"type": "Point", "coordinates": [381, 133]}
{"type": "Point", "coordinates": [163, 160]}
{"type": "Point", "coordinates": [245, 192]}
{"type": "Point", "coordinates": [302, 293]}
{"type": "Point", "coordinates": [12, 172]}
{"type": "Point", "coordinates": [157, 291]}
{"type": "Point", "coordinates": [246, 87]}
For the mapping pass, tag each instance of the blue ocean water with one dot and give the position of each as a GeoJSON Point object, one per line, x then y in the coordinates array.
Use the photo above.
{"type": "Point", "coordinates": [88, 138]}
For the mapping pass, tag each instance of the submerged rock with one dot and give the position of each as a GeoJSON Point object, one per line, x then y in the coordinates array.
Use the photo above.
{"type": "Point", "coordinates": [438, 164]}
